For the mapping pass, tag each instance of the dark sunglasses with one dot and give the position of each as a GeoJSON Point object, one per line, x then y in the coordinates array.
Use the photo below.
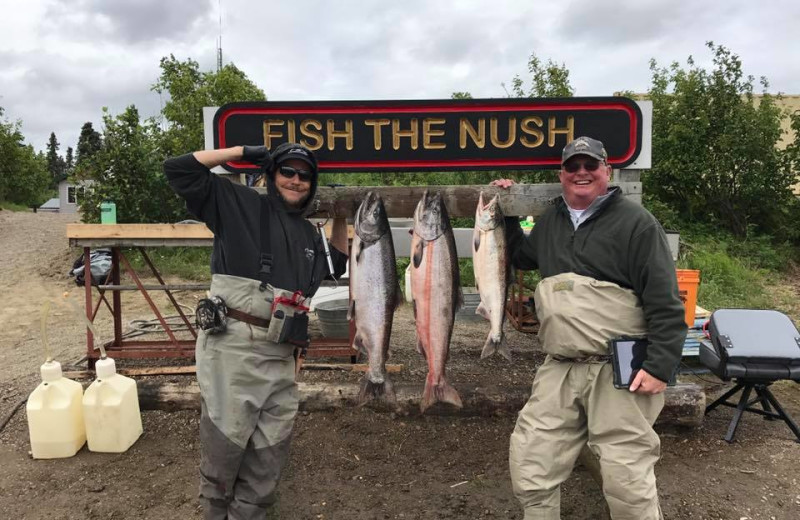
{"type": "Point", "coordinates": [289, 172]}
{"type": "Point", "coordinates": [589, 165]}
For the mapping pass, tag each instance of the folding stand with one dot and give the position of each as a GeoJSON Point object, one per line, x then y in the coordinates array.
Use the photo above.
{"type": "Point", "coordinates": [765, 398]}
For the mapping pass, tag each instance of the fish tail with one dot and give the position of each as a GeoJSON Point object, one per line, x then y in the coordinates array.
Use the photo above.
{"type": "Point", "coordinates": [372, 391]}
{"type": "Point", "coordinates": [496, 344]}
{"type": "Point", "coordinates": [438, 392]}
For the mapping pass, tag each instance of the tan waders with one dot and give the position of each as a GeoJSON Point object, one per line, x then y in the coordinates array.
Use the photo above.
{"type": "Point", "coordinates": [574, 402]}
{"type": "Point", "coordinates": [249, 402]}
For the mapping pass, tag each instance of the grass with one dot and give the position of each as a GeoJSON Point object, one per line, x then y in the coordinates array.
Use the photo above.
{"type": "Point", "coordinates": [188, 263]}
{"type": "Point", "coordinates": [733, 274]}
{"type": "Point", "coordinates": [10, 206]}
{"type": "Point", "coordinates": [748, 274]}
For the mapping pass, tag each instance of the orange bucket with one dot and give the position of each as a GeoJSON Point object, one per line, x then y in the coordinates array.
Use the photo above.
{"type": "Point", "coordinates": [688, 282]}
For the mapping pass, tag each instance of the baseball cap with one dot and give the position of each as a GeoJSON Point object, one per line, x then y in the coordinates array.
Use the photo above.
{"type": "Point", "coordinates": [287, 151]}
{"type": "Point", "coordinates": [584, 146]}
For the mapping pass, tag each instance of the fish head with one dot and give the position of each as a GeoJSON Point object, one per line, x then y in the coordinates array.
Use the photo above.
{"type": "Point", "coordinates": [488, 216]}
{"type": "Point", "coordinates": [371, 222]}
{"type": "Point", "coordinates": [430, 217]}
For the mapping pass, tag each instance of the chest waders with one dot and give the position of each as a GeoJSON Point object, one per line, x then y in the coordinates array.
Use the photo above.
{"type": "Point", "coordinates": [573, 403]}
{"type": "Point", "coordinates": [249, 400]}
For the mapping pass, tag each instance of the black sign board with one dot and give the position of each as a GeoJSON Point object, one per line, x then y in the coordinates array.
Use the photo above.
{"type": "Point", "coordinates": [439, 135]}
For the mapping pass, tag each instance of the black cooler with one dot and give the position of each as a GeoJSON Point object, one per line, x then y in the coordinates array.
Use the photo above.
{"type": "Point", "coordinates": [754, 348]}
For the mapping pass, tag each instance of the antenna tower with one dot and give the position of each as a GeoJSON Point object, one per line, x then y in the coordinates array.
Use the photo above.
{"type": "Point", "coordinates": [219, 42]}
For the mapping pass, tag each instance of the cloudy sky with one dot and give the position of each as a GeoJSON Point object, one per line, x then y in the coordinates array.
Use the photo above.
{"type": "Point", "coordinates": [61, 61]}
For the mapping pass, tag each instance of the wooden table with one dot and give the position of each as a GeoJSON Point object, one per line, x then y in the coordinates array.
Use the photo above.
{"type": "Point", "coordinates": [142, 236]}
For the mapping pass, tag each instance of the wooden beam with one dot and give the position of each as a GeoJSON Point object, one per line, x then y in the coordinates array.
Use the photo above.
{"type": "Point", "coordinates": [684, 406]}
{"type": "Point", "coordinates": [145, 231]}
{"type": "Point", "coordinates": [400, 201]}
{"type": "Point", "coordinates": [157, 287]}
{"type": "Point", "coordinates": [189, 370]}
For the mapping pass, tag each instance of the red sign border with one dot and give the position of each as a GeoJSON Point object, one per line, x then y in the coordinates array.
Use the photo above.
{"type": "Point", "coordinates": [446, 105]}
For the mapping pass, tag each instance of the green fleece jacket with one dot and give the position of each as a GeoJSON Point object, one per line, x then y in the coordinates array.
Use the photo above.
{"type": "Point", "coordinates": [622, 243]}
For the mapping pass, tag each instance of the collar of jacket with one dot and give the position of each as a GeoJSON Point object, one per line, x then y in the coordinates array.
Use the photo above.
{"type": "Point", "coordinates": [613, 193]}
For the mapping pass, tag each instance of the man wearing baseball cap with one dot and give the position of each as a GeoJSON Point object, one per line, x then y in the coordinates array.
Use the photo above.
{"type": "Point", "coordinates": [607, 273]}
{"type": "Point", "coordinates": [267, 260]}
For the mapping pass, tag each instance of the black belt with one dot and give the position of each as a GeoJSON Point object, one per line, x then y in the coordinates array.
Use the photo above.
{"type": "Point", "coordinates": [598, 358]}
{"type": "Point", "coordinates": [248, 318]}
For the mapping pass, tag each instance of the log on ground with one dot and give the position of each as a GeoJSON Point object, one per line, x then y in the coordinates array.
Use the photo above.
{"type": "Point", "coordinates": [684, 406]}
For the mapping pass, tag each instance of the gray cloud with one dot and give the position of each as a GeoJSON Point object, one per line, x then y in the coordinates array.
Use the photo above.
{"type": "Point", "coordinates": [138, 22]}
{"type": "Point", "coordinates": [61, 61]}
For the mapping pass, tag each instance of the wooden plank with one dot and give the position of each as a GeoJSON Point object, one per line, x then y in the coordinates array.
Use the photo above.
{"type": "Point", "coordinates": [144, 231]}
{"type": "Point", "coordinates": [400, 201]}
{"type": "Point", "coordinates": [184, 370]}
{"type": "Point", "coordinates": [146, 371]}
{"type": "Point", "coordinates": [350, 367]}
{"type": "Point", "coordinates": [157, 287]}
{"type": "Point", "coordinates": [684, 404]}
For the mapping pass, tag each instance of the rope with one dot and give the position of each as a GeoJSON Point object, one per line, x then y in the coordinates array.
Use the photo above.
{"type": "Point", "coordinates": [12, 412]}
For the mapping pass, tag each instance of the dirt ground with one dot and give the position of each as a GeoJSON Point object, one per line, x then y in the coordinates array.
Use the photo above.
{"type": "Point", "coordinates": [354, 463]}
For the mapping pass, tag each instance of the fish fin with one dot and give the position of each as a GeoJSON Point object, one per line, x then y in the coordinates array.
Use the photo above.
{"type": "Point", "coordinates": [421, 349]}
{"type": "Point", "coordinates": [483, 311]}
{"type": "Point", "coordinates": [360, 250]}
{"type": "Point", "coordinates": [441, 392]}
{"type": "Point", "coordinates": [417, 254]}
{"type": "Point", "coordinates": [493, 345]}
{"type": "Point", "coordinates": [371, 391]}
{"type": "Point", "coordinates": [459, 297]}
{"type": "Point", "coordinates": [351, 310]}
{"type": "Point", "coordinates": [358, 342]}
{"type": "Point", "coordinates": [476, 240]}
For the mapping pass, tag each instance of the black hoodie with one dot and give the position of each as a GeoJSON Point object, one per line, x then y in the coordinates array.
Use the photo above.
{"type": "Point", "coordinates": [233, 213]}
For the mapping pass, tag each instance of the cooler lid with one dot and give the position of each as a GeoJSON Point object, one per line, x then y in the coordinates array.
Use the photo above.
{"type": "Point", "coordinates": [757, 333]}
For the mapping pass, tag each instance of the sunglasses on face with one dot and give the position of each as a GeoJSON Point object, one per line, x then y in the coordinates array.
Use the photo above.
{"type": "Point", "coordinates": [590, 165]}
{"type": "Point", "coordinates": [289, 172]}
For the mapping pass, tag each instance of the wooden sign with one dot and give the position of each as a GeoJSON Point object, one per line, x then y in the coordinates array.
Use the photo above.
{"type": "Point", "coordinates": [434, 135]}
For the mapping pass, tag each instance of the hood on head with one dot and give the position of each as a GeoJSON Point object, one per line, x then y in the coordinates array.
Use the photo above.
{"type": "Point", "coordinates": [283, 153]}
{"type": "Point", "coordinates": [430, 217]}
{"type": "Point", "coordinates": [488, 216]}
{"type": "Point", "coordinates": [371, 222]}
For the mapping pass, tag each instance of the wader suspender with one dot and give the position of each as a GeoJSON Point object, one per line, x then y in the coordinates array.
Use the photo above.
{"type": "Point", "coordinates": [265, 271]}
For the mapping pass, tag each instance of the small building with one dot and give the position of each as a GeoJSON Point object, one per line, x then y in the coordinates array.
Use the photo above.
{"type": "Point", "coordinates": [52, 206]}
{"type": "Point", "coordinates": [69, 194]}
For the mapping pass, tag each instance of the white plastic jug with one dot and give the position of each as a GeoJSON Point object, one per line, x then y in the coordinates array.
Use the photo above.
{"type": "Point", "coordinates": [55, 415]}
{"type": "Point", "coordinates": [111, 410]}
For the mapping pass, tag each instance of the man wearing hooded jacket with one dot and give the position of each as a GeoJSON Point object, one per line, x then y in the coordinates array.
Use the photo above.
{"type": "Point", "coordinates": [264, 249]}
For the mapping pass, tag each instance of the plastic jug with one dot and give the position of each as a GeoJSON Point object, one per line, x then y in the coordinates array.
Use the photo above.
{"type": "Point", "coordinates": [55, 415]}
{"type": "Point", "coordinates": [108, 212]}
{"type": "Point", "coordinates": [111, 410]}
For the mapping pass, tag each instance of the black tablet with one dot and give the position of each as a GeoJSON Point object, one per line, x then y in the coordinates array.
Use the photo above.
{"type": "Point", "coordinates": [627, 357]}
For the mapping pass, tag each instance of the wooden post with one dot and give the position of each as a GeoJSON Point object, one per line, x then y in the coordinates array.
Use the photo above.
{"type": "Point", "coordinates": [684, 406]}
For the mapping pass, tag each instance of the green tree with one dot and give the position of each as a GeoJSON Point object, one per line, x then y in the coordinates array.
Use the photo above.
{"type": "Point", "coordinates": [127, 170]}
{"type": "Point", "coordinates": [24, 177]}
{"type": "Point", "coordinates": [55, 163]}
{"type": "Point", "coordinates": [69, 161]}
{"type": "Point", "coordinates": [89, 143]}
{"type": "Point", "coordinates": [189, 90]}
{"type": "Point", "coordinates": [714, 150]}
{"type": "Point", "coordinates": [546, 80]}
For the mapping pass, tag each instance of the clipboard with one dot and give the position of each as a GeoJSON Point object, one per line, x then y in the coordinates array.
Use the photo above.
{"type": "Point", "coordinates": [627, 357]}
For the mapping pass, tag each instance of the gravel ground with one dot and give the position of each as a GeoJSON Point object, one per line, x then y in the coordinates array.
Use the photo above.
{"type": "Point", "coordinates": [353, 463]}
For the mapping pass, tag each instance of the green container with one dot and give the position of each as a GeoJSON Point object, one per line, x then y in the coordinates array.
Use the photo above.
{"type": "Point", "coordinates": [108, 213]}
